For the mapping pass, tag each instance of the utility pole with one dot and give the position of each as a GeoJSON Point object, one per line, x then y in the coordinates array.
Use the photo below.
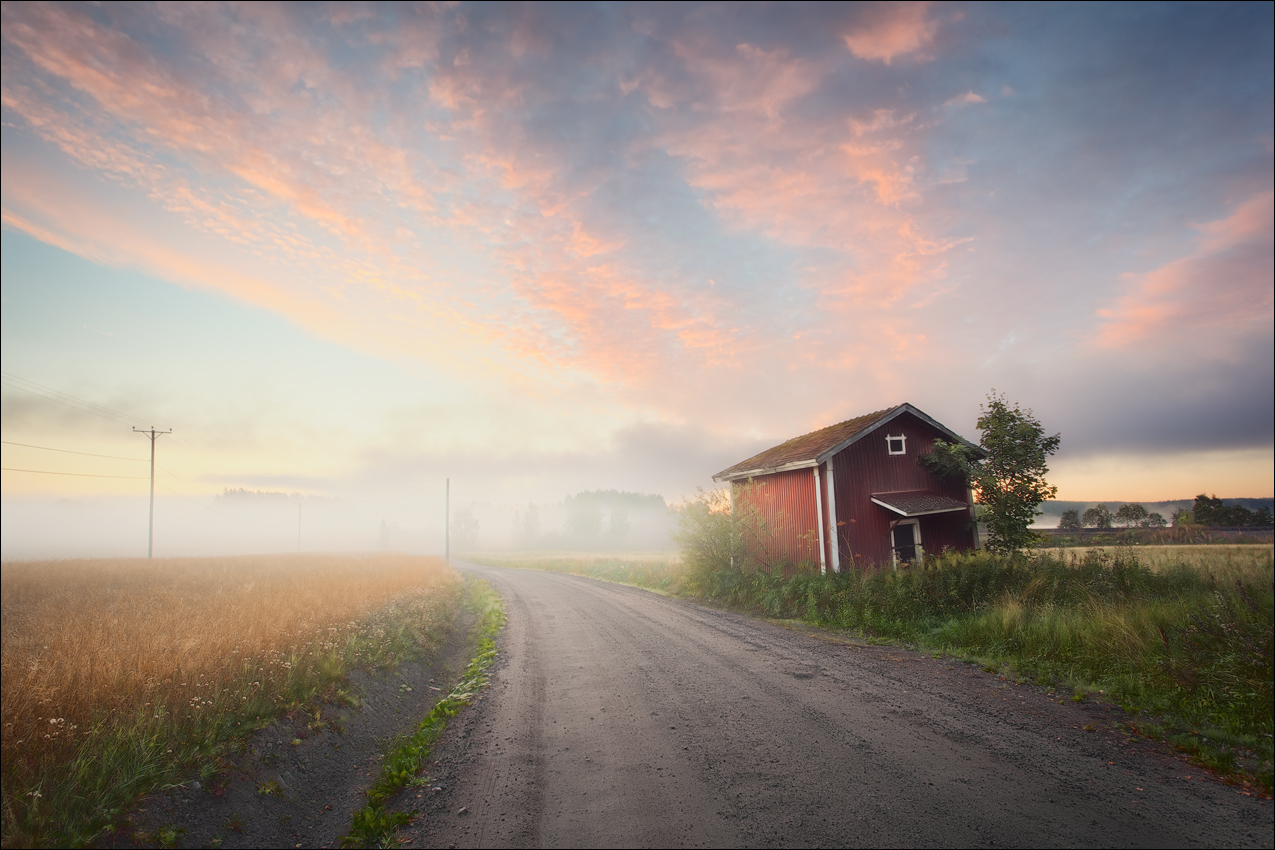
{"type": "Point", "coordinates": [447, 528]}
{"type": "Point", "coordinates": [298, 528]}
{"type": "Point", "coordinates": [150, 531]}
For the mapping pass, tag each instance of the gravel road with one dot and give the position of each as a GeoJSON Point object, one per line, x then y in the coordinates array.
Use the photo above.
{"type": "Point", "coordinates": [619, 717]}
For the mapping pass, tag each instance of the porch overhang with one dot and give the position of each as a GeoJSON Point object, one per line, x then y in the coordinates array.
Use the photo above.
{"type": "Point", "coordinates": [911, 503]}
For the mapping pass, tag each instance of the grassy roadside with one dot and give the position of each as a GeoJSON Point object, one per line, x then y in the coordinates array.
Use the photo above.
{"type": "Point", "coordinates": [406, 755]}
{"type": "Point", "coordinates": [121, 678]}
{"type": "Point", "coordinates": [1182, 642]}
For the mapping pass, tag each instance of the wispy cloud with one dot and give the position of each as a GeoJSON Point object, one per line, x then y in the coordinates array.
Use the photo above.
{"type": "Point", "coordinates": [1219, 292]}
{"type": "Point", "coordinates": [671, 211]}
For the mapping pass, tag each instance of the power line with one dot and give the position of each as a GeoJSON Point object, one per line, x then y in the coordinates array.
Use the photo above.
{"type": "Point", "coordinates": [76, 403]}
{"type": "Point", "coordinates": [66, 399]}
{"type": "Point", "coordinates": [20, 381]}
{"type": "Point", "coordinates": [115, 419]}
{"type": "Point", "coordinates": [68, 451]}
{"type": "Point", "coordinates": [76, 474]}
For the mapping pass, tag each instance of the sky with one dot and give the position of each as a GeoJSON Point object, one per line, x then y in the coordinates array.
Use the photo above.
{"type": "Point", "coordinates": [354, 251]}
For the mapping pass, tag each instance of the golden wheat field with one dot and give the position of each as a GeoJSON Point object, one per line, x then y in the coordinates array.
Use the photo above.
{"type": "Point", "coordinates": [182, 643]}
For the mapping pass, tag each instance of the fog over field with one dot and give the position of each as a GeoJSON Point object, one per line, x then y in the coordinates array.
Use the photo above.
{"type": "Point", "coordinates": [117, 526]}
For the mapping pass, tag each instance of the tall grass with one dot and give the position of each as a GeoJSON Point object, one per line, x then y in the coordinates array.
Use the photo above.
{"type": "Point", "coordinates": [121, 674]}
{"type": "Point", "coordinates": [1222, 562]}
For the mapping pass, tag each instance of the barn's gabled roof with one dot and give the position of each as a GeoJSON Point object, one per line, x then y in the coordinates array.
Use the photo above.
{"type": "Point", "coordinates": [816, 447]}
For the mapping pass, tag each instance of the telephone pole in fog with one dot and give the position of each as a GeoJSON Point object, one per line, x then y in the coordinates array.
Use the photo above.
{"type": "Point", "coordinates": [150, 531]}
{"type": "Point", "coordinates": [447, 520]}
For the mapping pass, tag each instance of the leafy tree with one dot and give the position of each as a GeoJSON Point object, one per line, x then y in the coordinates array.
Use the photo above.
{"type": "Point", "coordinates": [1182, 517]}
{"type": "Point", "coordinates": [617, 525]}
{"type": "Point", "coordinates": [1212, 511]}
{"type": "Point", "coordinates": [757, 525]}
{"type": "Point", "coordinates": [949, 461]}
{"type": "Point", "coordinates": [527, 527]}
{"type": "Point", "coordinates": [584, 520]}
{"type": "Point", "coordinates": [464, 529]}
{"type": "Point", "coordinates": [1154, 520]}
{"type": "Point", "coordinates": [1207, 510]}
{"type": "Point", "coordinates": [1011, 480]}
{"type": "Point", "coordinates": [1099, 516]}
{"type": "Point", "coordinates": [1262, 516]}
{"type": "Point", "coordinates": [1131, 516]}
{"type": "Point", "coordinates": [706, 535]}
{"type": "Point", "coordinates": [1238, 515]}
{"type": "Point", "coordinates": [1070, 520]}
{"type": "Point", "coordinates": [717, 534]}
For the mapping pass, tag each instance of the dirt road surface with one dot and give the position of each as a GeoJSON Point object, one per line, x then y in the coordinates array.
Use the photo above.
{"type": "Point", "coordinates": [618, 717]}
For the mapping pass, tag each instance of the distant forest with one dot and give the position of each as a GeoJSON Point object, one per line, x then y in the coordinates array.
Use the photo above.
{"type": "Point", "coordinates": [601, 520]}
{"type": "Point", "coordinates": [1216, 512]}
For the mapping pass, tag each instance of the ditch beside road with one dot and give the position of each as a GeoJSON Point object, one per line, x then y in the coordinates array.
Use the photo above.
{"type": "Point", "coordinates": [617, 717]}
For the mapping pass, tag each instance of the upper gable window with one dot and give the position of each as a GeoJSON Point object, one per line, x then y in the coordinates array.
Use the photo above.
{"type": "Point", "coordinates": [896, 445]}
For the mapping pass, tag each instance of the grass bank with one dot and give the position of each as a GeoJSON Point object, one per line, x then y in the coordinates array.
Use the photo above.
{"type": "Point", "coordinates": [405, 756]}
{"type": "Point", "coordinates": [1179, 636]}
{"type": "Point", "coordinates": [122, 676]}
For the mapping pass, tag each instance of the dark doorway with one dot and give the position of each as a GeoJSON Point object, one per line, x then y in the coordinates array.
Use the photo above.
{"type": "Point", "coordinates": [905, 542]}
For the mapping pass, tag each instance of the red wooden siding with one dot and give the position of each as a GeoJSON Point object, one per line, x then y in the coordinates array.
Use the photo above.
{"type": "Point", "coordinates": [865, 467]}
{"type": "Point", "coordinates": [785, 502]}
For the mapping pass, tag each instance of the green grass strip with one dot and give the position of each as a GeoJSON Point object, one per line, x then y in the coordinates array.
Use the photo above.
{"type": "Point", "coordinates": [374, 825]}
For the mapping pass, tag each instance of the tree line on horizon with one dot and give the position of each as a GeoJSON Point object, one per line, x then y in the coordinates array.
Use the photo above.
{"type": "Point", "coordinates": [1207, 511]}
{"type": "Point", "coordinates": [591, 519]}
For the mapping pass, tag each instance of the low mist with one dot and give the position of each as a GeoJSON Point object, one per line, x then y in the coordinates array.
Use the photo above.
{"type": "Point", "coordinates": [260, 521]}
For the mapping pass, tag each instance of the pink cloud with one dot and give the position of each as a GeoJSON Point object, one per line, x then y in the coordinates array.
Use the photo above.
{"type": "Point", "coordinates": [1219, 292]}
{"type": "Point", "coordinates": [283, 153]}
{"type": "Point", "coordinates": [967, 98]}
{"type": "Point", "coordinates": [827, 181]}
{"type": "Point", "coordinates": [888, 30]}
{"type": "Point", "coordinates": [317, 156]}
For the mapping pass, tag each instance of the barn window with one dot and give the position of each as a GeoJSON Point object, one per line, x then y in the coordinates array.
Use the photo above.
{"type": "Point", "coordinates": [896, 445]}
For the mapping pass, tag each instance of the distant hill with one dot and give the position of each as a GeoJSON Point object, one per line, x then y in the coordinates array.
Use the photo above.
{"type": "Point", "coordinates": [1053, 510]}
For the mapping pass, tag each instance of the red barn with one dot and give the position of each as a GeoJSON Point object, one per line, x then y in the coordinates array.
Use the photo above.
{"type": "Point", "coordinates": [853, 494]}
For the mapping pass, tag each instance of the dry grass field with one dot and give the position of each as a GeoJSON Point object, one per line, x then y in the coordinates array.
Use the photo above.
{"type": "Point", "coordinates": [1223, 562]}
{"type": "Point", "coordinates": [118, 674]}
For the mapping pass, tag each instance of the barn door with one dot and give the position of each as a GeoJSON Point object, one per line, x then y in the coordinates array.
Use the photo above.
{"type": "Point", "coordinates": [905, 540]}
